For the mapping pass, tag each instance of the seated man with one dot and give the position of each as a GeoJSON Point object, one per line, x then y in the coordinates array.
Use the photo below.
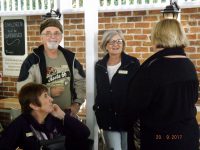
{"type": "Point", "coordinates": [41, 120]}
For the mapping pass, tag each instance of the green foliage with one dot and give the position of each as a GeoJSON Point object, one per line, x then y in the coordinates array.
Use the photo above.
{"type": "Point", "coordinates": [74, 3]}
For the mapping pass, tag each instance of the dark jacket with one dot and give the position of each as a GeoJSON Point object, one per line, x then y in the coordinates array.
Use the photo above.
{"type": "Point", "coordinates": [163, 93]}
{"type": "Point", "coordinates": [111, 100]}
{"type": "Point", "coordinates": [34, 69]}
{"type": "Point", "coordinates": [19, 132]}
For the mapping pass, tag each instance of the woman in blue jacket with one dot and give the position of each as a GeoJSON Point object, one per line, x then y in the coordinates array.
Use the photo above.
{"type": "Point", "coordinates": [41, 120]}
{"type": "Point", "coordinates": [113, 74]}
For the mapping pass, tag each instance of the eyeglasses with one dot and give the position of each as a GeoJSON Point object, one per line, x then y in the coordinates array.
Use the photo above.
{"type": "Point", "coordinates": [49, 34]}
{"type": "Point", "coordinates": [118, 42]}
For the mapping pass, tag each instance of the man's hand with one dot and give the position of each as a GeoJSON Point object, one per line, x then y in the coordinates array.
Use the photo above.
{"type": "Point", "coordinates": [56, 90]}
{"type": "Point", "coordinates": [57, 112]}
{"type": "Point", "coordinates": [75, 107]}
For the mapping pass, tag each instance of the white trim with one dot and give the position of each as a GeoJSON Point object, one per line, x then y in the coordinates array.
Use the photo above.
{"type": "Point", "coordinates": [91, 48]}
{"type": "Point", "coordinates": [23, 13]}
{"type": "Point", "coordinates": [66, 6]}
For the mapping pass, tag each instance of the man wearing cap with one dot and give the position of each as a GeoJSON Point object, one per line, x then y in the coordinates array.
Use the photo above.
{"type": "Point", "coordinates": [56, 67]}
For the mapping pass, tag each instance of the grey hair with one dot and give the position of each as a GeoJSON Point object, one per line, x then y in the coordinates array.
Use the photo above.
{"type": "Point", "coordinates": [107, 37]}
{"type": "Point", "coordinates": [168, 33]}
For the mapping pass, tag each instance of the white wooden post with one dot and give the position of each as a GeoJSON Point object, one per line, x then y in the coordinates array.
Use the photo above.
{"type": "Point", "coordinates": [91, 45]}
{"type": "Point", "coordinates": [19, 3]}
{"type": "Point", "coordinates": [59, 5]}
{"type": "Point", "coordinates": [7, 3]}
{"type": "Point", "coordinates": [13, 5]}
{"type": "Point", "coordinates": [48, 5]}
{"type": "Point", "coordinates": [36, 5]}
{"type": "Point", "coordinates": [30, 4]}
{"type": "Point", "coordinates": [43, 6]}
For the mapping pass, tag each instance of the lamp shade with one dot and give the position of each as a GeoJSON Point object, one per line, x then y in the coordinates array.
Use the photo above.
{"type": "Point", "coordinates": [53, 14]}
{"type": "Point", "coordinates": [171, 11]}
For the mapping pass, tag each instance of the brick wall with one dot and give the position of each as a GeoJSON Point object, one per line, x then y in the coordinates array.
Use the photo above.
{"type": "Point", "coordinates": [136, 26]}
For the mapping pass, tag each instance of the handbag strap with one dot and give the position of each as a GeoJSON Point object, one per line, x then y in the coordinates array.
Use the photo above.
{"type": "Point", "coordinates": [39, 135]}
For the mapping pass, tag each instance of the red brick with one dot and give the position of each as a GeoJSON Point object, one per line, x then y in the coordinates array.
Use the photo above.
{"type": "Point", "coordinates": [150, 18]}
{"type": "Point", "coordinates": [190, 49]}
{"type": "Point", "coordinates": [141, 37]}
{"type": "Point", "coordinates": [110, 14]}
{"type": "Point", "coordinates": [195, 43]}
{"type": "Point", "coordinates": [134, 19]}
{"type": "Point", "coordinates": [194, 56]}
{"type": "Point", "coordinates": [111, 26]}
{"type": "Point", "coordinates": [134, 43]}
{"type": "Point", "coordinates": [189, 10]}
{"type": "Point", "coordinates": [139, 13]}
{"type": "Point", "coordinates": [191, 36]}
{"type": "Point", "coordinates": [184, 17]}
{"type": "Point", "coordinates": [70, 38]}
{"type": "Point", "coordinates": [124, 13]}
{"type": "Point", "coordinates": [128, 37]}
{"type": "Point", "coordinates": [76, 32]}
{"type": "Point", "coordinates": [76, 21]}
{"type": "Point", "coordinates": [118, 19]}
{"type": "Point", "coordinates": [104, 20]}
{"type": "Point", "coordinates": [77, 44]}
{"type": "Point", "coordinates": [195, 29]}
{"type": "Point", "coordinates": [134, 31]}
{"type": "Point", "coordinates": [81, 38]}
{"type": "Point", "coordinates": [127, 25]}
{"type": "Point", "coordinates": [68, 27]}
{"type": "Point", "coordinates": [147, 31]}
{"type": "Point", "coordinates": [141, 49]}
{"type": "Point", "coordinates": [80, 26]}
{"type": "Point", "coordinates": [142, 25]}
{"type": "Point", "coordinates": [101, 26]}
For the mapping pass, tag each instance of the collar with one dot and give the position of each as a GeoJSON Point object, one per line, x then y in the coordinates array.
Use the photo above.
{"type": "Point", "coordinates": [125, 60]}
{"type": "Point", "coordinates": [47, 125]}
{"type": "Point", "coordinates": [170, 51]}
{"type": "Point", "coordinates": [165, 52]}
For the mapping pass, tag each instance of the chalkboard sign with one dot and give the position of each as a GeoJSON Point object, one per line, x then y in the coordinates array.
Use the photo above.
{"type": "Point", "coordinates": [14, 37]}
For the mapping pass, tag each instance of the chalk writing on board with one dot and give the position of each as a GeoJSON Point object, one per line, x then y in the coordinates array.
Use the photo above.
{"type": "Point", "coordinates": [16, 41]}
{"type": "Point", "coordinates": [14, 37]}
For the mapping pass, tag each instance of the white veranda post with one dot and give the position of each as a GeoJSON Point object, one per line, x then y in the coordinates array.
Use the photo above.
{"type": "Point", "coordinates": [91, 45]}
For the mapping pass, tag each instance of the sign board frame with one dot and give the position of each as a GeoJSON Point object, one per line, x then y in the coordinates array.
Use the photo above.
{"type": "Point", "coordinates": [14, 44]}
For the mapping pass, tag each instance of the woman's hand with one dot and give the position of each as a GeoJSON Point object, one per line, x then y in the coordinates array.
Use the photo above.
{"type": "Point", "coordinates": [58, 112]}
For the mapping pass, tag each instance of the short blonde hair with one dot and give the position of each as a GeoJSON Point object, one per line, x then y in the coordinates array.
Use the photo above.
{"type": "Point", "coordinates": [168, 33]}
{"type": "Point", "coordinates": [107, 36]}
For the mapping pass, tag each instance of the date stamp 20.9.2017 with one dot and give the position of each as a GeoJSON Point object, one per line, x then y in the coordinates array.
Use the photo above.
{"type": "Point", "coordinates": [168, 136]}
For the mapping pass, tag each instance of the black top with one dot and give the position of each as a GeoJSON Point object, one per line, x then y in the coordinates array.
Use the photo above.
{"type": "Point", "coordinates": [20, 134]}
{"type": "Point", "coordinates": [163, 94]}
{"type": "Point", "coordinates": [111, 99]}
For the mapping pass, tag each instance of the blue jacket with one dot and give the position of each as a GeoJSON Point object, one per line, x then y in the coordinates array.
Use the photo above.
{"type": "Point", "coordinates": [19, 132]}
{"type": "Point", "coordinates": [111, 100]}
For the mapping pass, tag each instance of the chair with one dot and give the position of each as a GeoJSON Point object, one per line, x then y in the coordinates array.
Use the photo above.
{"type": "Point", "coordinates": [13, 113]}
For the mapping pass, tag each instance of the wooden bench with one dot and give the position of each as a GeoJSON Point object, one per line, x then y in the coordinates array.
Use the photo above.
{"type": "Point", "coordinates": [12, 106]}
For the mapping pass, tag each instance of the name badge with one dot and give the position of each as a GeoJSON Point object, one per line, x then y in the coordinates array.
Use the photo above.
{"type": "Point", "coordinates": [29, 134]}
{"type": "Point", "coordinates": [123, 71]}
